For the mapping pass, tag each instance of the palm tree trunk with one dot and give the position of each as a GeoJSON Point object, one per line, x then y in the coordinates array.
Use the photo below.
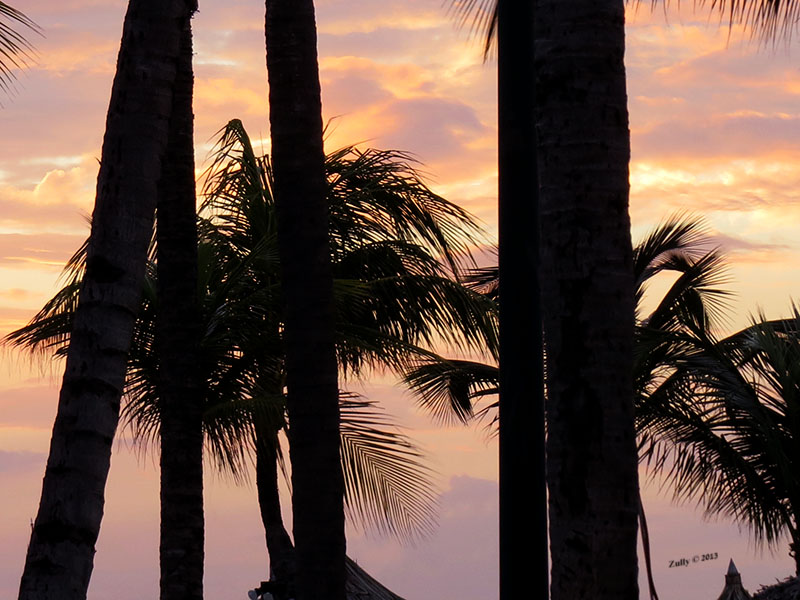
{"type": "Point", "coordinates": [282, 560]}
{"type": "Point", "coordinates": [307, 285]}
{"type": "Point", "coordinates": [177, 336]}
{"type": "Point", "coordinates": [587, 293]}
{"type": "Point", "coordinates": [523, 515]}
{"type": "Point", "coordinates": [61, 551]}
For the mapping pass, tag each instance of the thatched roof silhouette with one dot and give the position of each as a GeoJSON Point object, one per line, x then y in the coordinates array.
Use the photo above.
{"type": "Point", "coordinates": [734, 590]}
{"type": "Point", "coordinates": [360, 585]}
{"type": "Point", "coordinates": [788, 589]}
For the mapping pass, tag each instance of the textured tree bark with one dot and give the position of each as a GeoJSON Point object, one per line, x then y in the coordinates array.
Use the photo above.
{"type": "Point", "coordinates": [587, 293]}
{"type": "Point", "coordinates": [177, 340]}
{"type": "Point", "coordinates": [523, 497]}
{"type": "Point", "coordinates": [307, 286]}
{"type": "Point", "coordinates": [61, 551]}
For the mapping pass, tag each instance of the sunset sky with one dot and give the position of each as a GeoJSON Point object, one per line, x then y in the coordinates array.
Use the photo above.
{"type": "Point", "coordinates": [715, 125]}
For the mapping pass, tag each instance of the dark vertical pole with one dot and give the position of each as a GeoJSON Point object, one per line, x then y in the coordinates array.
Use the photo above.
{"type": "Point", "coordinates": [523, 517]}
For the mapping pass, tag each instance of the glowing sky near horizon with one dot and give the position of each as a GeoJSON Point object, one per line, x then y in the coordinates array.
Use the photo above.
{"type": "Point", "coordinates": [715, 124]}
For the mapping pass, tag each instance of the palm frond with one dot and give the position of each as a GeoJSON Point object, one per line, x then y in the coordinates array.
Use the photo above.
{"type": "Point", "coordinates": [676, 246]}
{"type": "Point", "coordinates": [388, 488]}
{"type": "Point", "coordinates": [682, 325]}
{"type": "Point", "coordinates": [48, 331]}
{"type": "Point", "coordinates": [379, 195]}
{"type": "Point", "coordinates": [485, 280]}
{"type": "Point", "coordinates": [732, 428]}
{"type": "Point", "coordinates": [480, 17]}
{"type": "Point", "coordinates": [449, 389]}
{"type": "Point", "coordinates": [770, 19]}
{"type": "Point", "coordinates": [15, 51]}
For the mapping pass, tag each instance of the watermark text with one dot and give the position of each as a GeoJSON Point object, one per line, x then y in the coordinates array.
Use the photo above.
{"type": "Point", "coordinates": [697, 558]}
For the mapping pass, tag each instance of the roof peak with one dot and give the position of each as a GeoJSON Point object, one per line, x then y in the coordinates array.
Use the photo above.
{"type": "Point", "coordinates": [732, 569]}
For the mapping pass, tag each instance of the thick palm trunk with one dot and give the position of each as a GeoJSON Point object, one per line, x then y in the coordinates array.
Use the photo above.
{"type": "Point", "coordinates": [61, 551]}
{"type": "Point", "coordinates": [523, 515]}
{"type": "Point", "coordinates": [587, 291]}
{"type": "Point", "coordinates": [177, 336]}
{"type": "Point", "coordinates": [307, 285]}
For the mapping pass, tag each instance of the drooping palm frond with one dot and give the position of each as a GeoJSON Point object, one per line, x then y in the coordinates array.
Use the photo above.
{"type": "Point", "coordinates": [480, 17]}
{"type": "Point", "coordinates": [15, 50]}
{"type": "Point", "coordinates": [380, 195]}
{"type": "Point", "coordinates": [47, 333]}
{"type": "Point", "coordinates": [388, 487]}
{"type": "Point", "coordinates": [428, 310]}
{"type": "Point", "coordinates": [238, 192]}
{"type": "Point", "coordinates": [485, 281]}
{"type": "Point", "coordinates": [770, 19]}
{"type": "Point", "coordinates": [450, 389]}
{"type": "Point", "coordinates": [405, 294]}
{"type": "Point", "coordinates": [681, 245]}
{"type": "Point", "coordinates": [734, 433]}
{"type": "Point", "coordinates": [681, 326]}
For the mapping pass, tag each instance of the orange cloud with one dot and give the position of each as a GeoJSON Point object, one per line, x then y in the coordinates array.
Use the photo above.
{"type": "Point", "coordinates": [48, 250]}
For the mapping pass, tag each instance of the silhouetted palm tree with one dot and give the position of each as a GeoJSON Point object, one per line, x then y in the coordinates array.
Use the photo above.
{"type": "Point", "coordinates": [61, 551]}
{"type": "Point", "coordinates": [385, 229]}
{"type": "Point", "coordinates": [729, 438]}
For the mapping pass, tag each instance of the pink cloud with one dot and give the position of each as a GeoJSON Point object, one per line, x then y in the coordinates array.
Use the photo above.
{"type": "Point", "coordinates": [721, 136]}
{"type": "Point", "coordinates": [749, 250]}
{"type": "Point", "coordinates": [15, 294]}
{"type": "Point", "coordinates": [13, 461]}
{"type": "Point", "coordinates": [33, 407]}
{"type": "Point", "coordinates": [42, 250]}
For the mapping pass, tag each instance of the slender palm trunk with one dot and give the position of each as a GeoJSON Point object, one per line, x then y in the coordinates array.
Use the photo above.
{"type": "Point", "coordinates": [61, 551]}
{"type": "Point", "coordinates": [177, 336]}
{"type": "Point", "coordinates": [523, 515]}
{"type": "Point", "coordinates": [307, 285]}
{"type": "Point", "coordinates": [587, 292]}
{"type": "Point", "coordinates": [282, 559]}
